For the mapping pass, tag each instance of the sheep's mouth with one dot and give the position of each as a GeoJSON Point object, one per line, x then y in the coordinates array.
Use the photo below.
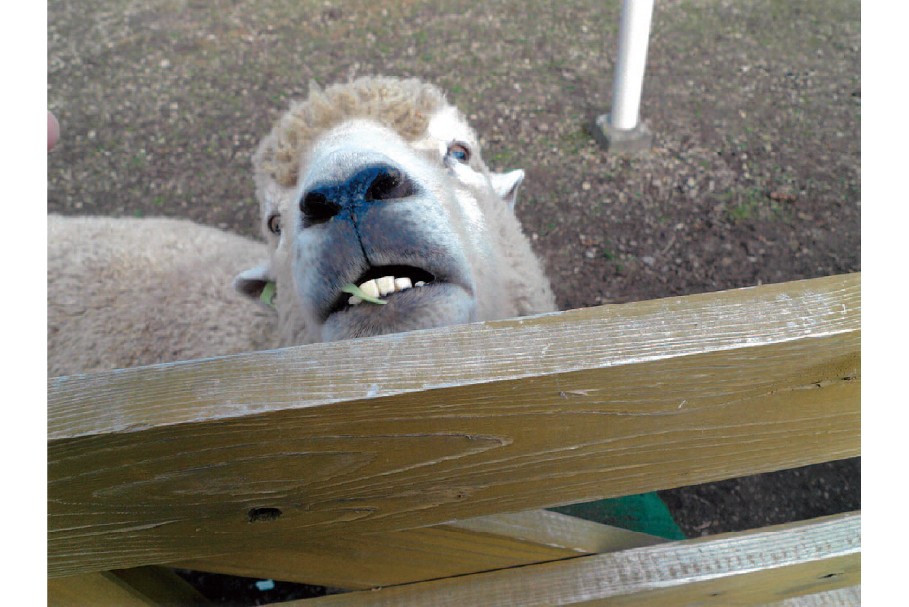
{"type": "Point", "coordinates": [382, 283]}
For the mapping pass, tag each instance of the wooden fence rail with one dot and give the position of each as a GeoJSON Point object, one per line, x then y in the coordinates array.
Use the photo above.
{"type": "Point", "coordinates": [750, 568]}
{"type": "Point", "coordinates": [312, 450]}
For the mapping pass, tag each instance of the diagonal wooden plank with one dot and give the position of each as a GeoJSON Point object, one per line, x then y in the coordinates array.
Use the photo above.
{"type": "Point", "coordinates": [142, 586]}
{"type": "Point", "coordinates": [558, 530]}
{"type": "Point", "coordinates": [459, 548]}
{"type": "Point", "coordinates": [336, 440]}
{"type": "Point", "coordinates": [102, 589]}
{"type": "Point", "coordinates": [750, 568]}
{"type": "Point", "coordinates": [841, 597]}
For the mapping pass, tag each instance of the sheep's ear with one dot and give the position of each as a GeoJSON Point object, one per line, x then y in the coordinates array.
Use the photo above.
{"type": "Point", "coordinates": [258, 285]}
{"type": "Point", "coordinates": [506, 185]}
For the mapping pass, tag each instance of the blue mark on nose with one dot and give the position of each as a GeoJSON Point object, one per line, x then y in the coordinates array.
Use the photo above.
{"type": "Point", "coordinates": [371, 185]}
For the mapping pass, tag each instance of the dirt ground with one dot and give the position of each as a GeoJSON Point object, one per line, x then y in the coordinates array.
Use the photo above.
{"type": "Point", "coordinates": [754, 176]}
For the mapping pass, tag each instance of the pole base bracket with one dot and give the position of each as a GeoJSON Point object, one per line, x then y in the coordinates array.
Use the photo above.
{"type": "Point", "coordinates": [638, 140]}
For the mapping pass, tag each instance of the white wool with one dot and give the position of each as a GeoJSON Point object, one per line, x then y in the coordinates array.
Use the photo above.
{"type": "Point", "coordinates": [128, 292]}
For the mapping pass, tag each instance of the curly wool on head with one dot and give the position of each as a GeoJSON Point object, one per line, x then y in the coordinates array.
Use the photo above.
{"type": "Point", "coordinates": [403, 105]}
{"type": "Point", "coordinates": [128, 292]}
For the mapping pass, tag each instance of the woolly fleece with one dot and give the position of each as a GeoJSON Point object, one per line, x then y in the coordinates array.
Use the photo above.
{"type": "Point", "coordinates": [129, 292]}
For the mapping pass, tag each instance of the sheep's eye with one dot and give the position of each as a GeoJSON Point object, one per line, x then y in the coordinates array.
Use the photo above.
{"type": "Point", "coordinates": [459, 152]}
{"type": "Point", "coordinates": [274, 224]}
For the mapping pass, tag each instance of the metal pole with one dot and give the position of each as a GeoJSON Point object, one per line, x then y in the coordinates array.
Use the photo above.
{"type": "Point", "coordinates": [634, 35]}
{"type": "Point", "coordinates": [622, 130]}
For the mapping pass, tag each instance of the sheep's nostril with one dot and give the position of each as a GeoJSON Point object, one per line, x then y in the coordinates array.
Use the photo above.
{"type": "Point", "coordinates": [371, 184]}
{"type": "Point", "coordinates": [317, 208]}
{"type": "Point", "coordinates": [389, 184]}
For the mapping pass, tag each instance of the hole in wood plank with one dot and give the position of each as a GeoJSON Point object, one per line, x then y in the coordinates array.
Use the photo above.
{"type": "Point", "coordinates": [259, 515]}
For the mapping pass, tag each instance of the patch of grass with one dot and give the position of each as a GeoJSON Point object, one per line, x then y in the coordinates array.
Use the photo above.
{"type": "Point", "coordinates": [743, 206]}
{"type": "Point", "coordinates": [503, 157]}
{"type": "Point", "coordinates": [137, 161]}
{"type": "Point", "coordinates": [575, 140]}
{"type": "Point", "coordinates": [752, 204]}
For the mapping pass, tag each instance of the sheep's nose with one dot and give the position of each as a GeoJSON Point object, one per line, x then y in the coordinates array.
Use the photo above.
{"type": "Point", "coordinates": [373, 184]}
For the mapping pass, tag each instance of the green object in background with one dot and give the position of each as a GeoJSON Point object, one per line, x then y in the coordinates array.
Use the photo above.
{"type": "Point", "coordinates": [645, 513]}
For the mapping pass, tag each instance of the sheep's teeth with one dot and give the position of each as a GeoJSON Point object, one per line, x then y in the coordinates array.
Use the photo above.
{"type": "Point", "coordinates": [370, 288]}
{"type": "Point", "coordinates": [380, 287]}
{"type": "Point", "coordinates": [386, 285]}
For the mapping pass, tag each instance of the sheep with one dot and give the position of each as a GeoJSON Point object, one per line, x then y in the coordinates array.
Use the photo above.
{"type": "Point", "coordinates": [378, 215]}
{"type": "Point", "coordinates": [126, 292]}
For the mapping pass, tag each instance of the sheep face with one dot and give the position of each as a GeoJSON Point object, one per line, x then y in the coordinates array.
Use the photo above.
{"type": "Point", "coordinates": [418, 223]}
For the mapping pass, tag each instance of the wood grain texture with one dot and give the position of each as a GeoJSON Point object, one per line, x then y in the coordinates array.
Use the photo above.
{"type": "Point", "coordinates": [751, 568]}
{"type": "Point", "coordinates": [142, 586]}
{"type": "Point", "coordinates": [102, 589]}
{"type": "Point", "coordinates": [414, 555]}
{"type": "Point", "coordinates": [166, 463]}
{"type": "Point", "coordinates": [841, 597]}
{"type": "Point", "coordinates": [558, 530]}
